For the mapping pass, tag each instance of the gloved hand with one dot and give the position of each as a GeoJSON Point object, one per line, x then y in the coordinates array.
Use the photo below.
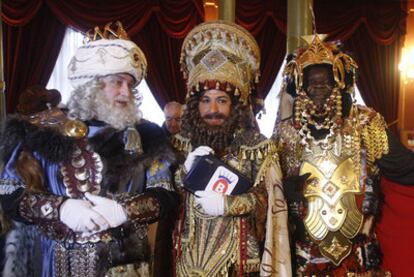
{"type": "Point", "coordinates": [212, 202]}
{"type": "Point", "coordinates": [199, 151]}
{"type": "Point", "coordinates": [79, 216]}
{"type": "Point", "coordinates": [111, 210]}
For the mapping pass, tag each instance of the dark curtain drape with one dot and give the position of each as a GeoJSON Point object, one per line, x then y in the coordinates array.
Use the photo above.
{"type": "Point", "coordinates": [266, 20]}
{"type": "Point", "coordinates": [34, 30]}
{"type": "Point", "coordinates": [373, 32]}
{"type": "Point", "coordinates": [31, 47]}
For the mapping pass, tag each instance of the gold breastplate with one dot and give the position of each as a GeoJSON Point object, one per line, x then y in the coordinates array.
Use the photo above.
{"type": "Point", "coordinates": [333, 217]}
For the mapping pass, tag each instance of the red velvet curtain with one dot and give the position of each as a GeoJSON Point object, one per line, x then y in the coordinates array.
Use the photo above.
{"type": "Point", "coordinates": [266, 20]}
{"type": "Point", "coordinates": [34, 30]}
{"type": "Point", "coordinates": [32, 43]}
{"type": "Point", "coordinates": [372, 31]}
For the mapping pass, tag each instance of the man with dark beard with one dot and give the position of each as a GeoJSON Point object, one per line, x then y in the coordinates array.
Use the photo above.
{"type": "Point", "coordinates": [332, 154]}
{"type": "Point", "coordinates": [217, 234]}
{"type": "Point", "coordinates": [81, 187]}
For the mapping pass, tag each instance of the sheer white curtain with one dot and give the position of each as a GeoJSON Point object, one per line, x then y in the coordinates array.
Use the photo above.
{"type": "Point", "coordinates": [58, 80]}
{"type": "Point", "coordinates": [271, 106]}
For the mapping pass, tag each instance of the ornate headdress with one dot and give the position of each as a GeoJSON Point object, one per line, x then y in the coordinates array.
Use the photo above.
{"type": "Point", "coordinates": [220, 55]}
{"type": "Point", "coordinates": [107, 52]}
{"type": "Point", "coordinates": [318, 52]}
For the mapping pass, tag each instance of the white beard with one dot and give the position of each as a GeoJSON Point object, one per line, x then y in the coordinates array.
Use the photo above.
{"type": "Point", "coordinates": [118, 117]}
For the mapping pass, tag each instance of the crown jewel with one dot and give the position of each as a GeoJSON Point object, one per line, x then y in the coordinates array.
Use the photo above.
{"type": "Point", "coordinates": [110, 31]}
{"type": "Point", "coordinates": [107, 51]}
{"type": "Point", "coordinates": [220, 55]}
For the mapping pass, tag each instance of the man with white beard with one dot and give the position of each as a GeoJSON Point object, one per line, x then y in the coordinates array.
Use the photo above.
{"type": "Point", "coordinates": [80, 188]}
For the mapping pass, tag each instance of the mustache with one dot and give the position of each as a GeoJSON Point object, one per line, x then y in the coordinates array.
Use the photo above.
{"type": "Point", "coordinates": [214, 116]}
{"type": "Point", "coordinates": [122, 98]}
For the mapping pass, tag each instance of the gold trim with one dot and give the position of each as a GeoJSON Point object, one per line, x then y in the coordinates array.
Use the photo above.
{"type": "Point", "coordinates": [181, 143]}
{"type": "Point", "coordinates": [375, 139]}
{"type": "Point", "coordinates": [220, 51]}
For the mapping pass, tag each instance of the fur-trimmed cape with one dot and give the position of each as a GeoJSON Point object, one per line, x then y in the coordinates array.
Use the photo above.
{"type": "Point", "coordinates": [56, 147]}
{"type": "Point", "coordinates": [119, 166]}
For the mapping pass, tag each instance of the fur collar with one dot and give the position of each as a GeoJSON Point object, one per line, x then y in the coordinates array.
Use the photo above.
{"type": "Point", "coordinates": [48, 142]}
{"type": "Point", "coordinates": [119, 165]}
{"type": "Point", "coordinates": [56, 147]}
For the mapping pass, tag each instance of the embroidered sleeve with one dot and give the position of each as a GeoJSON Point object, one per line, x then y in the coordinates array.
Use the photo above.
{"type": "Point", "coordinates": [158, 198]}
{"type": "Point", "coordinates": [159, 175]}
{"type": "Point", "coordinates": [237, 205]}
{"type": "Point", "coordinates": [39, 207]}
{"type": "Point", "coordinates": [142, 208]}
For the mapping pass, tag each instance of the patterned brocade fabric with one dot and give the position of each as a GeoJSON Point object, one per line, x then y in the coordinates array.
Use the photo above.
{"type": "Point", "coordinates": [140, 208]}
{"type": "Point", "coordinates": [240, 205]}
{"type": "Point", "coordinates": [212, 246]}
{"type": "Point", "coordinates": [40, 207]}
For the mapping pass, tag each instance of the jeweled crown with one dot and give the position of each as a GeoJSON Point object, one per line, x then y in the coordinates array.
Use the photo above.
{"type": "Point", "coordinates": [319, 52]}
{"type": "Point", "coordinates": [110, 31]}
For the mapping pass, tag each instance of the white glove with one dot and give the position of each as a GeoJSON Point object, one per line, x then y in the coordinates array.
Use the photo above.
{"type": "Point", "coordinates": [199, 151]}
{"type": "Point", "coordinates": [111, 210]}
{"type": "Point", "coordinates": [79, 216]}
{"type": "Point", "coordinates": [211, 201]}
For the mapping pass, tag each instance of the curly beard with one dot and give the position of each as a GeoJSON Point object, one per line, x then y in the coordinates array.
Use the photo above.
{"type": "Point", "coordinates": [118, 117]}
{"type": "Point", "coordinates": [88, 102]}
{"type": "Point", "coordinates": [217, 137]}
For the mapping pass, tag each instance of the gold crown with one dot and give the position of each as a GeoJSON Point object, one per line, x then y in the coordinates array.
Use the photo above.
{"type": "Point", "coordinates": [316, 53]}
{"type": "Point", "coordinates": [107, 51]}
{"type": "Point", "coordinates": [319, 52]}
{"type": "Point", "coordinates": [108, 32]}
{"type": "Point", "coordinates": [220, 55]}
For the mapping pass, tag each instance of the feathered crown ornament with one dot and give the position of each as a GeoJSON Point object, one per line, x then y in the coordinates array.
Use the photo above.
{"type": "Point", "coordinates": [220, 55]}
{"type": "Point", "coordinates": [107, 51]}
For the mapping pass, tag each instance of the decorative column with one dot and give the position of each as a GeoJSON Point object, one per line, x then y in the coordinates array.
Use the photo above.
{"type": "Point", "coordinates": [227, 10]}
{"type": "Point", "coordinates": [299, 23]}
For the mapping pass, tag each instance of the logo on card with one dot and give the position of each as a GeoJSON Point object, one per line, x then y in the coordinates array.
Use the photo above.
{"type": "Point", "coordinates": [223, 181]}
